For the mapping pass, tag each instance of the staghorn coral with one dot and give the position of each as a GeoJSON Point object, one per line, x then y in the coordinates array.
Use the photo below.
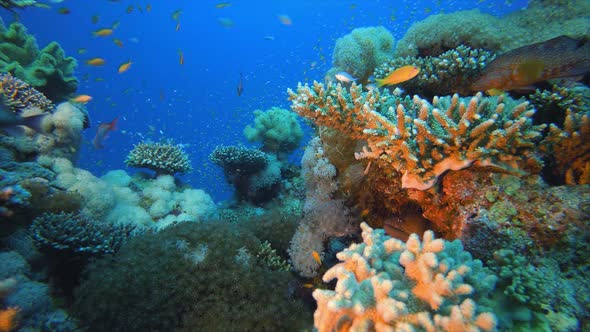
{"type": "Point", "coordinates": [570, 147]}
{"type": "Point", "coordinates": [19, 95]}
{"type": "Point", "coordinates": [384, 284]}
{"type": "Point", "coordinates": [163, 158]}
{"type": "Point", "coordinates": [451, 72]}
{"type": "Point", "coordinates": [420, 140]}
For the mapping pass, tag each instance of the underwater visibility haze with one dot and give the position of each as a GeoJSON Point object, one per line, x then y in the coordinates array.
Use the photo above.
{"type": "Point", "coordinates": [294, 165]}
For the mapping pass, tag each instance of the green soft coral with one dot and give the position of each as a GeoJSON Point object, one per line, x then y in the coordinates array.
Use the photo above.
{"type": "Point", "coordinates": [277, 129]}
{"type": "Point", "coordinates": [48, 70]}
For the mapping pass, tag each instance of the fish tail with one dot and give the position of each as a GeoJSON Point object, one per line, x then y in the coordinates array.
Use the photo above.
{"type": "Point", "coordinates": [35, 122]}
{"type": "Point", "coordinates": [380, 82]}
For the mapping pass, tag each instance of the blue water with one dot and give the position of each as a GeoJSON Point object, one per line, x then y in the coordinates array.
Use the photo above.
{"type": "Point", "coordinates": [196, 103]}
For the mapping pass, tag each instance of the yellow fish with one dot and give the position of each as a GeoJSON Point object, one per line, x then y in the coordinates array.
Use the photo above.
{"type": "Point", "coordinates": [103, 32]}
{"type": "Point", "coordinates": [316, 257]}
{"type": "Point", "coordinates": [95, 62]}
{"type": "Point", "coordinates": [118, 42]}
{"type": "Point", "coordinates": [176, 14]}
{"type": "Point", "coordinates": [124, 67]}
{"type": "Point", "coordinates": [399, 75]}
{"type": "Point", "coordinates": [82, 99]}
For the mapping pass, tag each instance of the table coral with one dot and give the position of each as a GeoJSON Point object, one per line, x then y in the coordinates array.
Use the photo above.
{"type": "Point", "coordinates": [163, 158]}
{"type": "Point", "coordinates": [422, 140]}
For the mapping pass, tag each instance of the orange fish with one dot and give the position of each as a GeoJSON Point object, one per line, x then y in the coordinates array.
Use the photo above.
{"type": "Point", "coordinates": [124, 67]}
{"type": "Point", "coordinates": [316, 257]}
{"type": "Point", "coordinates": [118, 42]}
{"type": "Point", "coordinates": [524, 66]}
{"type": "Point", "coordinates": [307, 285]}
{"type": "Point", "coordinates": [82, 99]}
{"type": "Point", "coordinates": [102, 133]}
{"type": "Point", "coordinates": [8, 318]}
{"type": "Point", "coordinates": [399, 75]}
{"type": "Point", "coordinates": [64, 10]}
{"type": "Point", "coordinates": [286, 20]}
{"type": "Point", "coordinates": [95, 62]}
{"type": "Point", "coordinates": [181, 59]}
{"type": "Point", "coordinates": [104, 32]}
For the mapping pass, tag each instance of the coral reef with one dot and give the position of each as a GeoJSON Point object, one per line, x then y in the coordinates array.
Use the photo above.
{"type": "Point", "coordinates": [189, 277]}
{"type": "Point", "coordinates": [48, 70]}
{"type": "Point", "coordinates": [548, 19]}
{"type": "Point", "coordinates": [422, 141]}
{"type": "Point", "coordinates": [75, 234]}
{"type": "Point", "coordinates": [361, 51]}
{"type": "Point", "coordinates": [570, 147]}
{"type": "Point", "coordinates": [385, 284]}
{"type": "Point", "coordinates": [277, 129]}
{"type": "Point", "coordinates": [255, 175]}
{"type": "Point", "coordinates": [324, 215]}
{"type": "Point", "coordinates": [17, 4]}
{"type": "Point", "coordinates": [163, 158]}
{"type": "Point", "coordinates": [19, 95]}
{"type": "Point", "coordinates": [451, 72]}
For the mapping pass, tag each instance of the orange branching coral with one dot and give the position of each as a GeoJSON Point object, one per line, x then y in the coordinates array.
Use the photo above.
{"type": "Point", "coordinates": [570, 147]}
{"type": "Point", "coordinates": [18, 95]}
{"type": "Point", "coordinates": [422, 140]}
{"type": "Point", "coordinates": [8, 319]}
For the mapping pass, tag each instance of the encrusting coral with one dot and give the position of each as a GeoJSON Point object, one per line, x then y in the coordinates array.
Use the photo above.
{"type": "Point", "coordinates": [163, 158]}
{"type": "Point", "coordinates": [420, 140]}
{"type": "Point", "coordinates": [384, 284]}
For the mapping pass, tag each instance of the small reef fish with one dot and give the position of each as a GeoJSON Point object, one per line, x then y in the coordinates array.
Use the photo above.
{"type": "Point", "coordinates": [9, 121]}
{"type": "Point", "coordinates": [524, 66]}
{"type": "Point", "coordinates": [82, 50]}
{"type": "Point", "coordinates": [104, 32]}
{"type": "Point", "coordinates": [176, 14]}
{"type": "Point", "coordinates": [223, 4]}
{"type": "Point", "coordinates": [124, 67]}
{"type": "Point", "coordinates": [118, 42]}
{"type": "Point", "coordinates": [177, 26]}
{"type": "Point", "coordinates": [102, 133]}
{"type": "Point", "coordinates": [286, 20]}
{"type": "Point", "coordinates": [95, 62]}
{"type": "Point", "coordinates": [181, 57]}
{"type": "Point", "coordinates": [82, 99]}
{"type": "Point", "coordinates": [344, 77]}
{"type": "Point", "coordinates": [316, 257]}
{"type": "Point", "coordinates": [225, 22]}
{"type": "Point", "coordinates": [269, 37]}
{"type": "Point", "coordinates": [240, 87]}
{"type": "Point", "coordinates": [64, 10]}
{"type": "Point", "coordinates": [115, 24]}
{"type": "Point", "coordinates": [148, 8]}
{"type": "Point", "coordinates": [399, 75]}
{"type": "Point", "coordinates": [95, 19]}
{"type": "Point", "coordinates": [129, 9]}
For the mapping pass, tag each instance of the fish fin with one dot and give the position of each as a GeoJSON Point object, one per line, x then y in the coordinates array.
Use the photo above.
{"type": "Point", "coordinates": [35, 122]}
{"type": "Point", "coordinates": [380, 82]}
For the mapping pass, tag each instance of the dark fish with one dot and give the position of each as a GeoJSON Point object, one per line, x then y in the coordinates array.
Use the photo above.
{"type": "Point", "coordinates": [240, 88]}
{"type": "Point", "coordinates": [524, 66]}
{"type": "Point", "coordinates": [102, 132]}
{"type": "Point", "coordinates": [9, 122]}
